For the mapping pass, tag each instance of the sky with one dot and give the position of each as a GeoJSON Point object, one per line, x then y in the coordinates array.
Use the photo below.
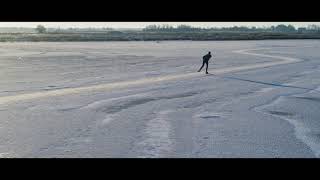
{"type": "Point", "coordinates": [143, 24]}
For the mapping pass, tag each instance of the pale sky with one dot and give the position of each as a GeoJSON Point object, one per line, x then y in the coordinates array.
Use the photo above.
{"type": "Point", "coordinates": [143, 24]}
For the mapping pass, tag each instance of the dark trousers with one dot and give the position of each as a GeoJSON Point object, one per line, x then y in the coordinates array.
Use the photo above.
{"type": "Point", "coordinates": [204, 62]}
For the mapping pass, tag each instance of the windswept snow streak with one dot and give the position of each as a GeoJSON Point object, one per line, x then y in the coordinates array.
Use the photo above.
{"type": "Point", "coordinates": [4, 155]}
{"type": "Point", "coordinates": [301, 131]}
{"type": "Point", "coordinates": [125, 84]}
{"type": "Point", "coordinates": [157, 143]}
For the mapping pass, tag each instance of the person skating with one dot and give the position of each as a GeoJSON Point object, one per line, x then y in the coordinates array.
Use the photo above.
{"type": "Point", "coordinates": [206, 61]}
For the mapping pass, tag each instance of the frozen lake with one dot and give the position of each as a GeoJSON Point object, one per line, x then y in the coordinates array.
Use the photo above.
{"type": "Point", "coordinates": [146, 99]}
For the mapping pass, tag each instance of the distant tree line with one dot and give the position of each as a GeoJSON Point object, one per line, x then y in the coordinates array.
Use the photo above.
{"type": "Point", "coordinates": [168, 28]}
{"type": "Point", "coordinates": [41, 29]}
{"type": "Point", "coordinates": [279, 28]}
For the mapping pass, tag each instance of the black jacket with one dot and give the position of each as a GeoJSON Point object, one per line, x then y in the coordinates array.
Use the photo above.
{"type": "Point", "coordinates": [206, 57]}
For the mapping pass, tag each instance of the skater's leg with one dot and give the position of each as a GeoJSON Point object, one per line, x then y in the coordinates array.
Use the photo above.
{"type": "Point", "coordinates": [201, 66]}
{"type": "Point", "coordinates": [207, 67]}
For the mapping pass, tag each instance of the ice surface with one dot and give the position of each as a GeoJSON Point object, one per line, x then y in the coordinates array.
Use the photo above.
{"type": "Point", "coordinates": [145, 99]}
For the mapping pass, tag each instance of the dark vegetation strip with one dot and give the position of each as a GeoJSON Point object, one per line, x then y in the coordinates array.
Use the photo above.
{"type": "Point", "coordinates": [53, 37]}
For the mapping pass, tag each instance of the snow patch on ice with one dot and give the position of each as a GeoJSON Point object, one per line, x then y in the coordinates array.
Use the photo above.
{"type": "Point", "coordinates": [79, 140]}
{"type": "Point", "coordinates": [4, 155]}
{"type": "Point", "coordinates": [264, 90]}
{"type": "Point", "coordinates": [315, 90]}
{"type": "Point", "coordinates": [281, 52]}
{"type": "Point", "coordinates": [99, 103]}
{"type": "Point", "coordinates": [107, 120]}
{"type": "Point", "coordinates": [208, 115]}
{"type": "Point", "coordinates": [157, 142]}
{"type": "Point", "coordinates": [301, 131]}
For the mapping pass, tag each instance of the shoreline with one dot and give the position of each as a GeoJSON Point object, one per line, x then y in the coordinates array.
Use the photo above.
{"type": "Point", "coordinates": [157, 37]}
{"type": "Point", "coordinates": [161, 40]}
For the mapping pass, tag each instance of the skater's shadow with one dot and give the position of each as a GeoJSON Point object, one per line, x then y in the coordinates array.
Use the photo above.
{"type": "Point", "coordinates": [261, 82]}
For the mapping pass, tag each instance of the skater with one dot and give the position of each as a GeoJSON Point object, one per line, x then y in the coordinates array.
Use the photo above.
{"type": "Point", "coordinates": [205, 61]}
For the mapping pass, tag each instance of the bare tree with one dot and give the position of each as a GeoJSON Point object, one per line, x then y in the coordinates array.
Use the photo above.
{"type": "Point", "coordinates": [41, 29]}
